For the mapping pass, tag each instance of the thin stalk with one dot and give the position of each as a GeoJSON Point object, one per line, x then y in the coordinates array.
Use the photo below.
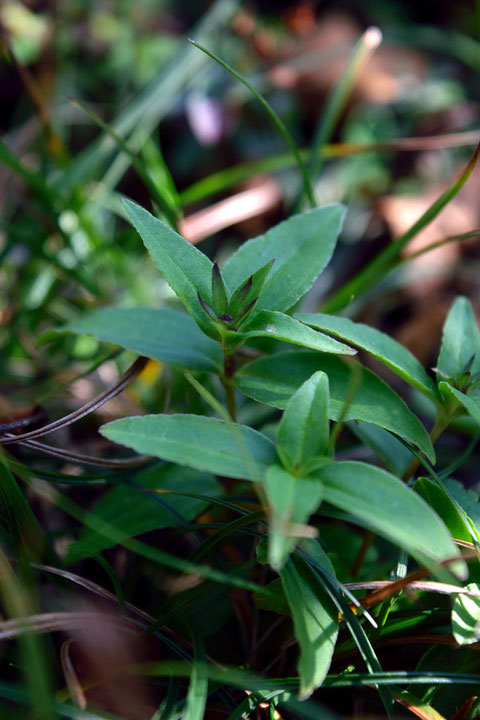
{"type": "Point", "coordinates": [228, 373]}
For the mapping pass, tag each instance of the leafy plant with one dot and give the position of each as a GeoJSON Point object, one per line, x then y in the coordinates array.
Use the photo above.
{"type": "Point", "coordinates": [299, 510]}
{"type": "Point", "coordinates": [248, 299]}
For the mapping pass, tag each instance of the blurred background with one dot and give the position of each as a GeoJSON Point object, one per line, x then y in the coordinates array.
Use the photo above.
{"type": "Point", "coordinates": [104, 99]}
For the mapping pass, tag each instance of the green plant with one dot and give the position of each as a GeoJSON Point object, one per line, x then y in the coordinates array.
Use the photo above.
{"type": "Point", "coordinates": [296, 474]}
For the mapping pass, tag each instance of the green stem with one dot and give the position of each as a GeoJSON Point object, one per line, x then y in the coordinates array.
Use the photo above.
{"type": "Point", "coordinates": [228, 373]}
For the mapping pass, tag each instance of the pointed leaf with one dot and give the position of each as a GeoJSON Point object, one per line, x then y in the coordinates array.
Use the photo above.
{"type": "Point", "coordinates": [132, 512]}
{"type": "Point", "coordinates": [161, 334]}
{"type": "Point", "coordinates": [466, 617]}
{"type": "Point", "coordinates": [445, 507]}
{"type": "Point", "coordinates": [268, 323]}
{"type": "Point", "coordinates": [200, 442]}
{"type": "Point", "coordinates": [291, 501]}
{"type": "Point", "coordinates": [219, 294]}
{"type": "Point", "coordinates": [315, 619]}
{"type": "Point", "coordinates": [185, 268]}
{"type": "Point", "coordinates": [273, 380]}
{"type": "Point", "coordinates": [302, 246]}
{"type": "Point", "coordinates": [378, 344]}
{"type": "Point", "coordinates": [471, 403]}
{"type": "Point", "coordinates": [460, 341]}
{"type": "Point", "coordinates": [383, 503]}
{"type": "Point", "coordinates": [304, 428]}
{"type": "Point", "coordinates": [250, 289]}
{"type": "Point", "coordinates": [466, 499]}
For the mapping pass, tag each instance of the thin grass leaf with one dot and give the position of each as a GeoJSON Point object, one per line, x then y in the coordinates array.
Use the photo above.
{"type": "Point", "coordinates": [384, 261]}
{"type": "Point", "coordinates": [198, 688]}
{"type": "Point", "coordinates": [338, 97]}
{"type": "Point", "coordinates": [223, 179]}
{"type": "Point", "coordinates": [155, 192]}
{"type": "Point", "coordinates": [276, 119]}
{"type": "Point", "coordinates": [26, 533]}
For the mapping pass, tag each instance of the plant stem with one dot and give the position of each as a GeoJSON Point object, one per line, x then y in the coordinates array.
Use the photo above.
{"type": "Point", "coordinates": [228, 373]}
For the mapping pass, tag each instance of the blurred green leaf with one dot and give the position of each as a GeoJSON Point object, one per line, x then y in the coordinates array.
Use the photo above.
{"type": "Point", "coordinates": [291, 501]}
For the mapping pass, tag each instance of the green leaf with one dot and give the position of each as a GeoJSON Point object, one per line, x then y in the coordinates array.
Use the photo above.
{"type": "Point", "coordinates": [200, 442]}
{"type": "Point", "coordinates": [219, 294]}
{"type": "Point", "coordinates": [250, 289]}
{"type": "Point", "coordinates": [304, 428]}
{"type": "Point", "coordinates": [275, 601]}
{"type": "Point", "coordinates": [291, 501]}
{"type": "Point", "coordinates": [378, 344]}
{"type": "Point", "coordinates": [460, 341]}
{"type": "Point", "coordinates": [186, 269]}
{"type": "Point", "coordinates": [467, 500]}
{"type": "Point", "coordinates": [466, 617]}
{"type": "Point", "coordinates": [445, 507]}
{"type": "Point", "coordinates": [273, 380]}
{"type": "Point", "coordinates": [161, 334]}
{"type": "Point", "coordinates": [268, 323]}
{"type": "Point", "coordinates": [315, 619]}
{"type": "Point", "coordinates": [469, 402]}
{"type": "Point", "coordinates": [132, 512]}
{"type": "Point", "coordinates": [383, 503]}
{"type": "Point", "coordinates": [301, 246]}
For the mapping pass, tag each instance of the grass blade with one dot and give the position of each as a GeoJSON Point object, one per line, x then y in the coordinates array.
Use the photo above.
{"type": "Point", "coordinates": [276, 119]}
{"type": "Point", "coordinates": [153, 189]}
{"type": "Point", "coordinates": [335, 104]}
{"type": "Point", "coordinates": [382, 263]}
